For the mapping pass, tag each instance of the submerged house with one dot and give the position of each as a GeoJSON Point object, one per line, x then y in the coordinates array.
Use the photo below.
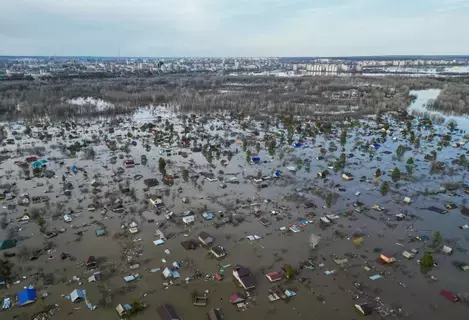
{"type": "Point", "coordinates": [273, 276]}
{"type": "Point", "coordinates": [347, 176]}
{"type": "Point", "coordinates": [218, 252]}
{"type": "Point", "coordinates": [129, 163]}
{"type": "Point", "coordinates": [214, 314]}
{"type": "Point", "coordinates": [447, 250]}
{"type": "Point", "coordinates": [151, 182]}
{"type": "Point", "coordinates": [155, 201]}
{"type": "Point", "coordinates": [123, 309]}
{"type": "Point", "coordinates": [244, 277]}
{"type": "Point", "coordinates": [188, 219]}
{"type": "Point", "coordinates": [408, 255]}
{"type": "Point", "coordinates": [205, 238]}
{"type": "Point", "coordinates": [169, 273]}
{"type": "Point", "coordinates": [387, 258]}
{"type": "Point", "coordinates": [190, 244]}
{"type": "Point", "coordinates": [364, 309]}
{"type": "Point", "coordinates": [91, 263]}
{"type": "Point", "coordinates": [208, 215]}
{"type": "Point", "coordinates": [25, 218]}
{"type": "Point", "coordinates": [236, 298]}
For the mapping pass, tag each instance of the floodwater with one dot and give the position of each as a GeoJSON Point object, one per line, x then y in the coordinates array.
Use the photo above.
{"type": "Point", "coordinates": [403, 292]}
{"type": "Point", "coordinates": [420, 105]}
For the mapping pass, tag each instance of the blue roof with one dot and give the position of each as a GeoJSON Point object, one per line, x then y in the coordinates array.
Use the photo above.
{"type": "Point", "coordinates": [79, 293]}
{"type": "Point", "coordinates": [26, 296]}
{"type": "Point", "coordinates": [7, 244]}
{"type": "Point", "coordinates": [255, 159]}
{"type": "Point", "coordinates": [208, 215]}
{"type": "Point", "coordinates": [36, 164]}
{"type": "Point", "coordinates": [127, 307]}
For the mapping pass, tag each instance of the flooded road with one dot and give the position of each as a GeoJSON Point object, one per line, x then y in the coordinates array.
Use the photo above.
{"type": "Point", "coordinates": [403, 292]}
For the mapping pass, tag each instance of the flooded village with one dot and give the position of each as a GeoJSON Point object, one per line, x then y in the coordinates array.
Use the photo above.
{"type": "Point", "coordinates": [164, 213]}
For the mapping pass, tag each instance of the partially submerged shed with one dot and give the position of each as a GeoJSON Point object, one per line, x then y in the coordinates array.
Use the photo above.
{"type": "Point", "coordinates": [91, 263]}
{"type": "Point", "coordinates": [214, 314]}
{"type": "Point", "coordinates": [236, 298]}
{"type": "Point", "coordinates": [26, 296]}
{"type": "Point", "coordinates": [77, 295]}
{"type": "Point", "coordinates": [364, 309]}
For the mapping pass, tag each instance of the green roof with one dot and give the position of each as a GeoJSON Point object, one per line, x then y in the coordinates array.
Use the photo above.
{"type": "Point", "coordinates": [7, 244]}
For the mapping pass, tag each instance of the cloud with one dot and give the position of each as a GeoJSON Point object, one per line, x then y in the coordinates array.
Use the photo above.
{"type": "Point", "coordinates": [233, 27]}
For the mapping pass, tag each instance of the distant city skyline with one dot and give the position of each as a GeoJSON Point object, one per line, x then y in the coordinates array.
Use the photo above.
{"type": "Point", "coordinates": [231, 28]}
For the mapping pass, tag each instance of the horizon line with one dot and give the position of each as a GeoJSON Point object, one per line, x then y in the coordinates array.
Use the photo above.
{"type": "Point", "coordinates": [243, 57]}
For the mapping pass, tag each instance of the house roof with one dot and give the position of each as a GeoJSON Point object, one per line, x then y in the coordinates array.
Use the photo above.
{"type": "Point", "coordinates": [91, 259]}
{"type": "Point", "coordinates": [77, 294]}
{"type": "Point", "coordinates": [273, 276]}
{"type": "Point", "coordinates": [364, 308]}
{"type": "Point", "coordinates": [7, 244]}
{"type": "Point", "coordinates": [26, 296]}
{"type": "Point", "coordinates": [167, 312]}
{"type": "Point", "coordinates": [248, 281]}
{"type": "Point", "coordinates": [242, 271]}
{"type": "Point", "coordinates": [214, 314]}
{"type": "Point", "coordinates": [204, 235]}
{"type": "Point", "coordinates": [189, 244]}
{"type": "Point", "coordinates": [236, 297]}
{"type": "Point", "coordinates": [218, 250]}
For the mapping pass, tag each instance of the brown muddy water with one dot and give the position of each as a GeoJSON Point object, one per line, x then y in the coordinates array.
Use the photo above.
{"type": "Point", "coordinates": [403, 292]}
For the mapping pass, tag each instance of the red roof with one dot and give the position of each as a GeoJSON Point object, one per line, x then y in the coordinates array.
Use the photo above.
{"type": "Point", "coordinates": [236, 298]}
{"type": "Point", "coordinates": [274, 276]}
{"type": "Point", "coordinates": [21, 163]}
{"type": "Point", "coordinates": [380, 260]}
{"type": "Point", "coordinates": [448, 295]}
{"type": "Point", "coordinates": [91, 259]}
{"type": "Point", "coordinates": [168, 179]}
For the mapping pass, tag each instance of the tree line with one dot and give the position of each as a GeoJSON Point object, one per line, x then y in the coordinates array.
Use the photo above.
{"type": "Point", "coordinates": [203, 93]}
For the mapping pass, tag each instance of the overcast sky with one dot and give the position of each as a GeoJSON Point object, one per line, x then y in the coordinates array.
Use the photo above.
{"type": "Point", "coordinates": [233, 27]}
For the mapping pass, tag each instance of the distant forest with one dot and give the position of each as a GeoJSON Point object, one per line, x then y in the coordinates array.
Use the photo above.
{"type": "Point", "coordinates": [453, 99]}
{"type": "Point", "coordinates": [315, 96]}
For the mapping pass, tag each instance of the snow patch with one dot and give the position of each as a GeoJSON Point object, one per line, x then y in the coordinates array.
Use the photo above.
{"type": "Point", "coordinates": [100, 105]}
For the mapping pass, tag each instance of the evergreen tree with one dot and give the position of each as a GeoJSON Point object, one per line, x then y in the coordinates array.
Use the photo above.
{"type": "Point", "coordinates": [162, 165]}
